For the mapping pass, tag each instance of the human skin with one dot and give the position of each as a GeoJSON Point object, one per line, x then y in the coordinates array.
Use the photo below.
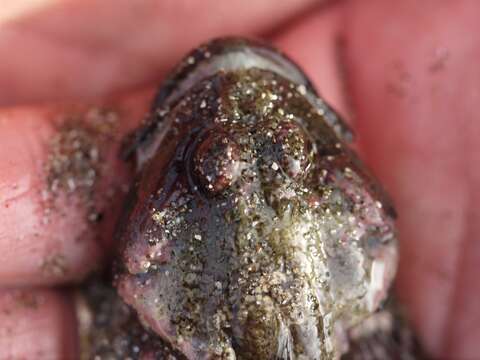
{"type": "Point", "coordinates": [404, 73]}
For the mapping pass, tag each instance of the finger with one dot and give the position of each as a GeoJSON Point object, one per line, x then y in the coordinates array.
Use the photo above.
{"type": "Point", "coordinates": [72, 49]}
{"type": "Point", "coordinates": [414, 88]}
{"type": "Point", "coordinates": [61, 185]}
{"type": "Point", "coordinates": [45, 244]}
{"type": "Point", "coordinates": [36, 324]}
{"type": "Point", "coordinates": [314, 42]}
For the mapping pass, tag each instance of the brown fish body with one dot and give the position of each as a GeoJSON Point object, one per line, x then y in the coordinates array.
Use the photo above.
{"type": "Point", "coordinates": [253, 231]}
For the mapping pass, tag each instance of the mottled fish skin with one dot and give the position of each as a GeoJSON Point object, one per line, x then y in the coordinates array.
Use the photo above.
{"type": "Point", "coordinates": [252, 230]}
{"type": "Point", "coordinates": [109, 329]}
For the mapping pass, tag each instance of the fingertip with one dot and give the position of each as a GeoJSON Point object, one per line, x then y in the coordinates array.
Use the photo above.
{"type": "Point", "coordinates": [58, 201]}
{"type": "Point", "coordinates": [37, 324]}
{"type": "Point", "coordinates": [315, 44]}
{"type": "Point", "coordinates": [72, 49]}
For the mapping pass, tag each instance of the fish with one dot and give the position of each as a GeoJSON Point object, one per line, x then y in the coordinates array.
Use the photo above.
{"type": "Point", "coordinates": [252, 229]}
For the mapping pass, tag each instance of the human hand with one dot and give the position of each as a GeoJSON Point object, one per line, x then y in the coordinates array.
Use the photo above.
{"type": "Point", "coordinates": [401, 72]}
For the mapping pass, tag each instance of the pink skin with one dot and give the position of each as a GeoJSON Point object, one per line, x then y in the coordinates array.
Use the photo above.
{"type": "Point", "coordinates": [30, 236]}
{"type": "Point", "coordinates": [407, 70]}
{"type": "Point", "coordinates": [36, 324]}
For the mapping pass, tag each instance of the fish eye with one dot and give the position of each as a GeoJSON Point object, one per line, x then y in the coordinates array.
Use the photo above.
{"type": "Point", "coordinates": [293, 149]}
{"type": "Point", "coordinates": [216, 161]}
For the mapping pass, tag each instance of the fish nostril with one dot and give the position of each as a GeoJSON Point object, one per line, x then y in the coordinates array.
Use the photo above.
{"type": "Point", "coordinates": [216, 162]}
